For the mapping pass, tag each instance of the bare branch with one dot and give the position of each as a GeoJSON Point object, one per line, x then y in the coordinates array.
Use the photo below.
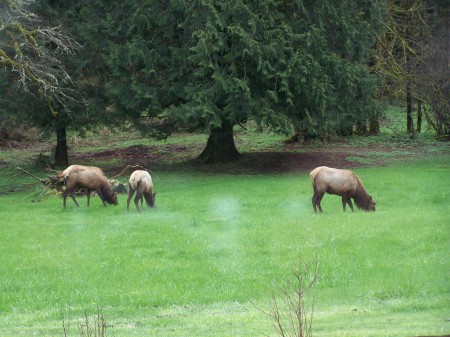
{"type": "Point", "coordinates": [35, 53]}
{"type": "Point", "coordinates": [297, 322]}
{"type": "Point", "coordinates": [128, 167]}
{"type": "Point", "coordinates": [26, 172]}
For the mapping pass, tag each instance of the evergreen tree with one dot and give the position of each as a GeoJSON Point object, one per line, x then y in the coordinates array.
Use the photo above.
{"type": "Point", "coordinates": [212, 65]}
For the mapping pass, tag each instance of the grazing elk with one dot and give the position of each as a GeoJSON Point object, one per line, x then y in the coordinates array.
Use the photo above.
{"type": "Point", "coordinates": [92, 179]}
{"type": "Point", "coordinates": [339, 182]}
{"type": "Point", "coordinates": [141, 183]}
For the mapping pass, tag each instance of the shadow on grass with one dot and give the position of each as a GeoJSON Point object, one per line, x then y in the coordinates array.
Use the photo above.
{"type": "Point", "coordinates": [261, 163]}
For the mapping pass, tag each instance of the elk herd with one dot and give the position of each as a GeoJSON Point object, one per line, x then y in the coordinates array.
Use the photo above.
{"type": "Point", "coordinates": [344, 183]}
{"type": "Point", "coordinates": [92, 178]}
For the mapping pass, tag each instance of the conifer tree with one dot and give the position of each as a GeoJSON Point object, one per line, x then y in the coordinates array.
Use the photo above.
{"type": "Point", "coordinates": [213, 65]}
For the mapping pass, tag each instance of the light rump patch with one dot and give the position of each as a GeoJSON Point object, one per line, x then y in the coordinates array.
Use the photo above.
{"type": "Point", "coordinates": [141, 183]}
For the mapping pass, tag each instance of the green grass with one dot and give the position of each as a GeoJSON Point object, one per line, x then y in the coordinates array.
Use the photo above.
{"type": "Point", "coordinates": [217, 242]}
{"type": "Point", "coordinates": [190, 267]}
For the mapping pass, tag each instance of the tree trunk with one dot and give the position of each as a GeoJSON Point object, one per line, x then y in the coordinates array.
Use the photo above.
{"type": "Point", "coordinates": [419, 116]}
{"type": "Point", "coordinates": [374, 126]}
{"type": "Point", "coordinates": [61, 156]}
{"type": "Point", "coordinates": [344, 130]}
{"type": "Point", "coordinates": [220, 146]}
{"type": "Point", "coordinates": [360, 128]}
{"type": "Point", "coordinates": [297, 136]}
{"type": "Point", "coordinates": [409, 119]}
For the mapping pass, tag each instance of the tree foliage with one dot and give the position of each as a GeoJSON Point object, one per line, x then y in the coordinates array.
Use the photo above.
{"type": "Point", "coordinates": [210, 65]}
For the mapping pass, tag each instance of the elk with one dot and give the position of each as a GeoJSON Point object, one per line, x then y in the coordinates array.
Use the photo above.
{"type": "Point", "coordinates": [141, 183]}
{"type": "Point", "coordinates": [339, 182]}
{"type": "Point", "coordinates": [92, 179]}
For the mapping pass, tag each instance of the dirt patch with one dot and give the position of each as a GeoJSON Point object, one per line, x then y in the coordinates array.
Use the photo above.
{"type": "Point", "coordinates": [287, 158]}
{"type": "Point", "coordinates": [135, 155]}
{"type": "Point", "coordinates": [278, 162]}
{"type": "Point", "coordinates": [175, 158]}
{"type": "Point", "coordinates": [278, 157]}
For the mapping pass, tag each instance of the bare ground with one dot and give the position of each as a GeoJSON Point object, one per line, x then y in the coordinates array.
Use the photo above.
{"type": "Point", "coordinates": [275, 158]}
{"type": "Point", "coordinates": [283, 158]}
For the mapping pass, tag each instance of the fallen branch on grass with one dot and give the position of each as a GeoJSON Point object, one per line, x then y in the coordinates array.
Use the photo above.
{"type": "Point", "coordinates": [130, 166]}
{"type": "Point", "coordinates": [56, 182]}
{"type": "Point", "coordinates": [135, 167]}
{"type": "Point", "coordinates": [32, 175]}
{"type": "Point", "coordinates": [53, 182]}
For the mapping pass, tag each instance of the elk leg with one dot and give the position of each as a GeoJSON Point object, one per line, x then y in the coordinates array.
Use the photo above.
{"type": "Point", "coordinates": [99, 192]}
{"type": "Point", "coordinates": [72, 194]}
{"type": "Point", "coordinates": [88, 195]}
{"type": "Point", "coordinates": [130, 195]}
{"type": "Point", "coordinates": [349, 202]}
{"type": "Point", "coordinates": [317, 197]}
{"type": "Point", "coordinates": [314, 202]}
{"type": "Point", "coordinates": [344, 202]}
{"type": "Point", "coordinates": [64, 198]}
{"type": "Point", "coordinates": [136, 200]}
{"type": "Point", "coordinates": [318, 200]}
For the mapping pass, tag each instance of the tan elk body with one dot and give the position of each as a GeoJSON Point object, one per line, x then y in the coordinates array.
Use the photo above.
{"type": "Point", "coordinates": [339, 182]}
{"type": "Point", "coordinates": [92, 179]}
{"type": "Point", "coordinates": [141, 183]}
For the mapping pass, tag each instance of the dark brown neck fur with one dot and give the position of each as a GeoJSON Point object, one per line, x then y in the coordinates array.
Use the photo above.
{"type": "Point", "coordinates": [107, 193]}
{"type": "Point", "coordinates": [361, 197]}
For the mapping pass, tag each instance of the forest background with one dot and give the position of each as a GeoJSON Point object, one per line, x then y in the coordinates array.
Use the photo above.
{"type": "Point", "coordinates": [303, 69]}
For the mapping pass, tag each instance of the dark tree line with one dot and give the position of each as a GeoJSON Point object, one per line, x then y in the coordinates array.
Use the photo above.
{"type": "Point", "coordinates": [290, 66]}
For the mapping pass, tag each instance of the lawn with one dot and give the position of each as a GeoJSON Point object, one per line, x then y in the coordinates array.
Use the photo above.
{"type": "Point", "coordinates": [207, 261]}
{"type": "Point", "coordinates": [225, 238]}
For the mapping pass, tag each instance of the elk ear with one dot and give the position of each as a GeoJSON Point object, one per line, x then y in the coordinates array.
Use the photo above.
{"type": "Point", "coordinates": [154, 194]}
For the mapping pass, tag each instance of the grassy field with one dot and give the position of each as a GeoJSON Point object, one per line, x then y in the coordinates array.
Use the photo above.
{"type": "Point", "coordinates": [207, 261]}
{"type": "Point", "coordinates": [190, 267]}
